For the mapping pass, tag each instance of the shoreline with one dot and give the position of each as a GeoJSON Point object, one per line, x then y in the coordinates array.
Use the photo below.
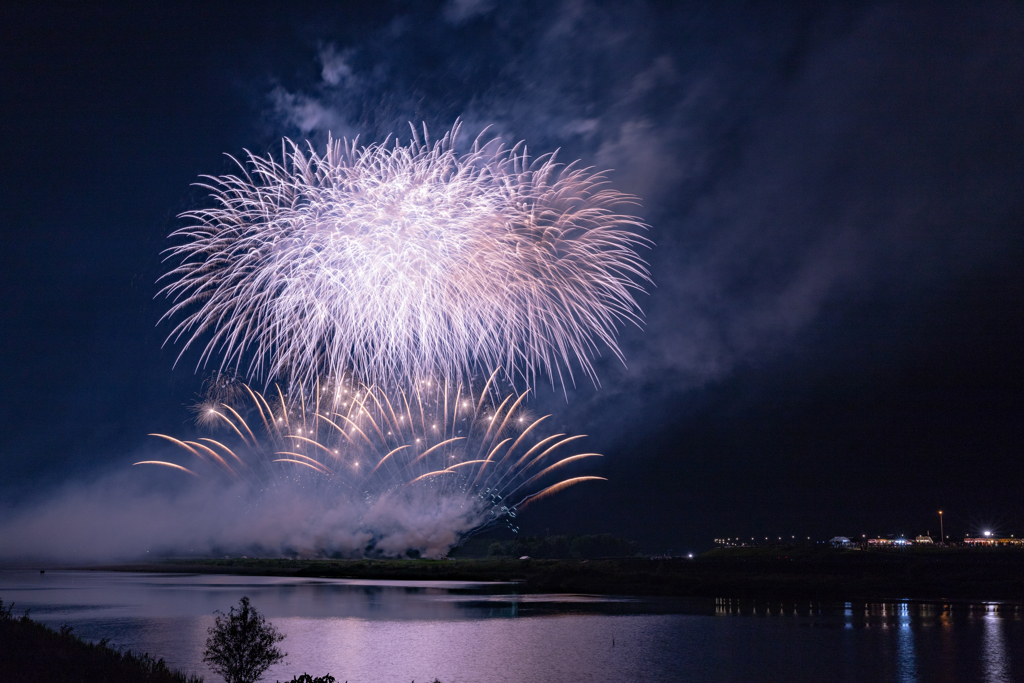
{"type": "Point", "coordinates": [764, 574]}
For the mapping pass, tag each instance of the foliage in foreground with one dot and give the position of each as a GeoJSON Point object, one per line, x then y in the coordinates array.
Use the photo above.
{"type": "Point", "coordinates": [306, 678]}
{"type": "Point", "coordinates": [31, 652]}
{"type": "Point", "coordinates": [243, 645]}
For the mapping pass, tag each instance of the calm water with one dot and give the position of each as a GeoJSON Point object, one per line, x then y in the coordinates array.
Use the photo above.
{"type": "Point", "coordinates": [364, 631]}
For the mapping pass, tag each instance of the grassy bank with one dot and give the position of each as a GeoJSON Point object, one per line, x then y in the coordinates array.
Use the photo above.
{"type": "Point", "coordinates": [33, 653]}
{"type": "Point", "coordinates": [797, 572]}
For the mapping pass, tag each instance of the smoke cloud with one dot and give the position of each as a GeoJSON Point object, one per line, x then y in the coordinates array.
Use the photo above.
{"type": "Point", "coordinates": [786, 160]}
{"type": "Point", "coordinates": [129, 516]}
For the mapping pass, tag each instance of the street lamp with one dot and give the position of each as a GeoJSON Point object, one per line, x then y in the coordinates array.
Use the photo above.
{"type": "Point", "coordinates": [942, 537]}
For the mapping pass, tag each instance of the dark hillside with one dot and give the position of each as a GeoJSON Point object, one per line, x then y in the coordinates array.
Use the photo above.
{"type": "Point", "coordinates": [33, 653]}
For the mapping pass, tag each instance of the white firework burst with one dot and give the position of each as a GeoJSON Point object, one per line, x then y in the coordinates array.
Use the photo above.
{"type": "Point", "coordinates": [396, 262]}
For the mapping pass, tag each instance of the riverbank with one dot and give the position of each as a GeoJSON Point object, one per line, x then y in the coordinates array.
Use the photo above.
{"type": "Point", "coordinates": [33, 653]}
{"type": "Point", "coordinates": [754, 573]}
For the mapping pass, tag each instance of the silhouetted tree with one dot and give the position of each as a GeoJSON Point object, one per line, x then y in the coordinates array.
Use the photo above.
{"type": "Point", "coordinates": [242, 645]}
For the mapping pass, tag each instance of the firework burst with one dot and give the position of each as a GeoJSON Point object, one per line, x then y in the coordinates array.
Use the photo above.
{"type": "Point", "coordinates": [397, 262]}
{"type": "Point", "coordinates": [436, 447]}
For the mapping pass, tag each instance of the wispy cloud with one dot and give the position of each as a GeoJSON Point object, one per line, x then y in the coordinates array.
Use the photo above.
{"type": "Point", "coordinates": [744, 135]}
{"type": "Point", "coordinates": [459, 11]}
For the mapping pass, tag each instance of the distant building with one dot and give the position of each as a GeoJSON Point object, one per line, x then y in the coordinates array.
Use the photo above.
{"type": "Point", "coordinates": [841, 542]}
{"type": "Point", "coordinates": [899, 542]}
{"type": "Point", "coordinates": [992, 540]}
{"type": "Point", "coordinates": [927, 540]}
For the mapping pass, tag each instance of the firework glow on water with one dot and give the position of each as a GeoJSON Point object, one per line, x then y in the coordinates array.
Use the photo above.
{"type": "Point", "coordinates": [393, 263]}
{"type": "Point", "coordinates": [453, 461]}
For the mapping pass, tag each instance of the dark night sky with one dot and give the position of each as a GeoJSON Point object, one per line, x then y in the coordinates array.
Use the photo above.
{"type": "Point", "coordinates": [836, 340]}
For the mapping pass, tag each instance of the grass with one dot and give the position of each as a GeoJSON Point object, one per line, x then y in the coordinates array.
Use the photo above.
{"type": "Point", "coordinates": [778, 572]}
{"type": "Point", "coordinates": [33, 653]}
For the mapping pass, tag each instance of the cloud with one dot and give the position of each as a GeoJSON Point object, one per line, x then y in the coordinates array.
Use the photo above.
{"type": "Point", "coordinates": [783, 161]}
{"type": "Point", "coordinates": [305, 113]}
{"type": "Point", "coordinates": [460, 11]}
{"type": "Point", "coordinates": [335, 70]}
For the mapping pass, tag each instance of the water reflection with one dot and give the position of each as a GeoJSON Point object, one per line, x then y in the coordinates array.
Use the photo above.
{"type": "Point", "coordinates": [394, 631]}
{"type": "Point", "coordinates": [993, 653]}
{"type": "Point", "coordinates": [905, 658]}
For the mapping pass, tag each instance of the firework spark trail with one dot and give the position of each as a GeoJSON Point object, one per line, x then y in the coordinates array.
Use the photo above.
{"type": "Point", "coordinates": [166, 464]}
{"type": "Point", "coordinates": [396, 262]}
{"type": "Point", "coordinates": [347, 442]}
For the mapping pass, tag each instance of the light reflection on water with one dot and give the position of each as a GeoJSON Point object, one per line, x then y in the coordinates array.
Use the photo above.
{"type": "Point", "coordinates": [994, 654]}
{"type": "Point", "coordinates": [906, 659]}
{"type": "Point", "coordinates": [364, 631]}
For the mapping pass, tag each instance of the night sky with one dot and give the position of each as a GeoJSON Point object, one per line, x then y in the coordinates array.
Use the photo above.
{"type": "Point", "coordinates": [835, 341]}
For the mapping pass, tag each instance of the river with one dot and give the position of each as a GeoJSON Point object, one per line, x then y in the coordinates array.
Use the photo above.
{"type": "Point", "coordinates": [397, 631]}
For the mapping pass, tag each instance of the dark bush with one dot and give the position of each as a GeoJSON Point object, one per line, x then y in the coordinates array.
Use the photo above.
{"type": "Point", "coordinates": [242, 645]}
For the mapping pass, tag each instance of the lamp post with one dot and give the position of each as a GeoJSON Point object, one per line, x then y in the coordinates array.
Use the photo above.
{"type": "Point", "coordinates": [942, 537]}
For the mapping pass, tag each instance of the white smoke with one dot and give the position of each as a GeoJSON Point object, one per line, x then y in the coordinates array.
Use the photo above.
{"type": "Point", "coordinates": [121, 517]}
